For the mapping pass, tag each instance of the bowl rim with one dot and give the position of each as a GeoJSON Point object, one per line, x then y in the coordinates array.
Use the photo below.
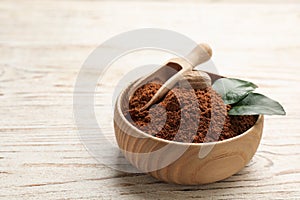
{"type": "Point", "coordinates": [118, 107]}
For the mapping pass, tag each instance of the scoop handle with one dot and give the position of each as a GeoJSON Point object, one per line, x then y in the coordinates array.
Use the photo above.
{"type": "Point", "coordinates": [199, 54]}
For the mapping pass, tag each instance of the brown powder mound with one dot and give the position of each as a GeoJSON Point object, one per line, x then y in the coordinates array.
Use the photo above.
{"type": "Point", "coordinates": [186, 115]}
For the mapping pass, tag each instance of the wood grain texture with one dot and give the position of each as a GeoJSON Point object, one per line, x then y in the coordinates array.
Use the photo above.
{"type": "Point", "coordinates": [42, 47]}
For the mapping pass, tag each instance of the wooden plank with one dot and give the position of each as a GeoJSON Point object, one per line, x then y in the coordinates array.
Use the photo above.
{"type": "Point", "coordinates": [43, 44]}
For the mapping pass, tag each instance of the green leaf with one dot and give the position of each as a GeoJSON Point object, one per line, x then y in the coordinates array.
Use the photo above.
{"type": "Point", "coordinates": [255, 104]}
{"type": "Point", "coordinates": [233, 90]}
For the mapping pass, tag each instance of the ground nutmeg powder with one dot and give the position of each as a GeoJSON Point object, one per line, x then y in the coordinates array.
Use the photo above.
{"type": "Point", "coordinates": [181, 118]}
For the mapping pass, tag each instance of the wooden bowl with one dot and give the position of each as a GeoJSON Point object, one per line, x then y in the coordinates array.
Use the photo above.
{"type": "Point", "coordinates": [183, 163]}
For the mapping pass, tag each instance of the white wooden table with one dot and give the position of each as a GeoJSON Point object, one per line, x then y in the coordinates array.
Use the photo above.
{"type": "Point", "coordinates": [42, 47]}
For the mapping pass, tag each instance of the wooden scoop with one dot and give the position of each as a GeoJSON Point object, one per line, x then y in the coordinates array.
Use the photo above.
{"type": "Point", "coordinates": [173, 71]}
